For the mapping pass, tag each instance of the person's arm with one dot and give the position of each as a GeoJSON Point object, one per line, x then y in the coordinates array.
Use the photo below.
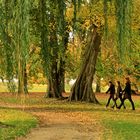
{"type": "Point", "coordinates": [108, 90]}
{"type": "Point", "coordinates": [125, 88]}
{"type": "Point", "coordinates": [121, 91]}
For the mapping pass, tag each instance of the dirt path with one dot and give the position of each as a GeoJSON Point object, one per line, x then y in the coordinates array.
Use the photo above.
{"type": "Point", "coordinates": [62, 125]}
{"type": "Point", "coordinates": [58, 124]}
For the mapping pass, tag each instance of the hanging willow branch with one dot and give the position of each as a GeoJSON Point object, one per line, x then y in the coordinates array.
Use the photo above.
{"type": "Point", "coordinates": [123, 20]}
{"type": "Point", "coordinates": [61, 22]}
{"type": "Point", "coordinates": [123, 11]}
{"type": "Point", "coordinates": [7, 43]}
{"type": "Point", "coordinates": [44, 25]}
{"type": "Point", "coordinates": [106, 17]}
{"type": "Point", "coordinates": [75, 13]}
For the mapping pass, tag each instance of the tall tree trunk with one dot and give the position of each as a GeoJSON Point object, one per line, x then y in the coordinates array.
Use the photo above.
{"type": "Point", "coordinates": [82, 89]}
{"type": "Point", "coordinates": [20, 77]}
{"type": "Point", "coordinates": [50, 91]}
{"type": "Point", "coordinates": [98, 85]}
{"type": "Point", "coordinates": [25, 81]}
{"type": "Point", "coordinates": [56, 67]}
{"type": "Point", "coordinates": [56, 81]}
{"type": "Point", "coordinates": [57, 72]}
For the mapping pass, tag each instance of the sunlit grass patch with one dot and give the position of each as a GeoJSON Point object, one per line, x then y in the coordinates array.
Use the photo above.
{"type": "Point", "coordinates": [8, 98]}
{"type": "Point", "coordinates": [3, 87]}
{"type": "Point", "coordinates": [31, 88]}
{"type": "Point", "coordinates": [15, 124]}
{"type": "Point", "coordinates": [120, 124]}
{"type": "Point", "coordinates": [122, 130]}
{"type": "Point", "coordinates": [37, 88]}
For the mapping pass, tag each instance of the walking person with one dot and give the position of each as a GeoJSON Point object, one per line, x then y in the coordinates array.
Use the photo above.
{"type": "Point", "coordinates": [127, 94]}
{"type": "Point", "coordinates": [111, 90]}
{"type": "Point", "coordinates": [118, 94]}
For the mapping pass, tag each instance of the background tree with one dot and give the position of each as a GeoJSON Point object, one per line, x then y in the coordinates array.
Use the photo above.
{"type": "Point", "coordinates": [54, 39]}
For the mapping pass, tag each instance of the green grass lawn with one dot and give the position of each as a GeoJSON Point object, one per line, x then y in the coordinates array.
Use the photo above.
{"type": "Point", "coordinates": [3, 87]}
{"type": "Point", "coordinates": [31, 88]}
{"type": "Point", "coordinates": [15, 123]}
{"type": "Point", "coordinates": [122, 130]}
{"type": "Point", "coordinates": [121, 125]}
{"type": "Point", "coordinates": [39, 87]}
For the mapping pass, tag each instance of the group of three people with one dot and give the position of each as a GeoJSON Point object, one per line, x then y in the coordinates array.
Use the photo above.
{"type": "Point", "coordinates": [120, 95]}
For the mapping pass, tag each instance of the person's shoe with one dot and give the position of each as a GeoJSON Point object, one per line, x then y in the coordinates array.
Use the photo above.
{"type": "Point", "coordinates": [118, 107]}
{"type": "Point", "coordinates": [112, 107]}
{"type": "Point", "coordinates": [124, 107]}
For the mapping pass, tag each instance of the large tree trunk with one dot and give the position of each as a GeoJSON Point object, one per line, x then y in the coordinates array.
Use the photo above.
{"type": "Point", "coordinates": [82, 89]}
{"type": "Point", "coordinates": [56, 74]}
{"type": "Point", "coordinates": [55, 82]}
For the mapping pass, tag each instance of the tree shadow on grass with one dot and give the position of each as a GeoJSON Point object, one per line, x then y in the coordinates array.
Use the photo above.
{"type": "Point", "coordinates": [65, 107]}
{"type": "Point", "coordinates": [4, 125]}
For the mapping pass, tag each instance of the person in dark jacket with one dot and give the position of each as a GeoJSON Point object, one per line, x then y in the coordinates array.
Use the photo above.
{"type": "Point", "coordinates": [111, 90]}
{"type": "Point", "coordinates": [118, 94]}
{"type": "Point", "coordinates": [127, 94]}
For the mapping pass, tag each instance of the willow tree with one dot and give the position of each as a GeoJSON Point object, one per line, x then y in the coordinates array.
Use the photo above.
{"type": "Point", "coordinates": [6, 44]}
{"type": "Point", "coordinates": [53, 43]}
{"type": "Point", "coordinates": [15, 39]}
{"type": "Point", "coordinates": [21, 39]}
{"type": "Point", "coordinates": [82, 89]}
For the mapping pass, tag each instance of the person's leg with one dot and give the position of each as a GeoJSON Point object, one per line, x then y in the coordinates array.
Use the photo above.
{"type": "Point", "coordinates": [121, 101]}
{"type": "Point", "coordinates": [114, 100]}
{"type": "Point", "coordinates": [132, 103]}
{"type": "Point", "coordinates": [108, 101]}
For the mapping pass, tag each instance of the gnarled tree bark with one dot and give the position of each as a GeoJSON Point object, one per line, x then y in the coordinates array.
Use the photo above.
{"type": "Point", "coordinates": [82, 89]}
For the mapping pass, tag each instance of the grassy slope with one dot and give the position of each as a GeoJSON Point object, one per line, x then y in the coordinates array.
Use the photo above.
{"type": "Point", "coordinates": [31, 88]}
{"type": "Point", "coordinates": [34, 87]}
{"type": "Point", "coordinates": [119, 124]}
{"type": "Point", "coordinates": [15, 123]}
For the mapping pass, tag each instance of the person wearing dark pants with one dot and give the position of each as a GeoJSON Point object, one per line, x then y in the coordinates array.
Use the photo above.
{"type": "Point", "coordinates": [127, 94]}
{"type": "Point", "coordinates": [118, 94]}
{"type": "Point", "coordinates": [111, 90]}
